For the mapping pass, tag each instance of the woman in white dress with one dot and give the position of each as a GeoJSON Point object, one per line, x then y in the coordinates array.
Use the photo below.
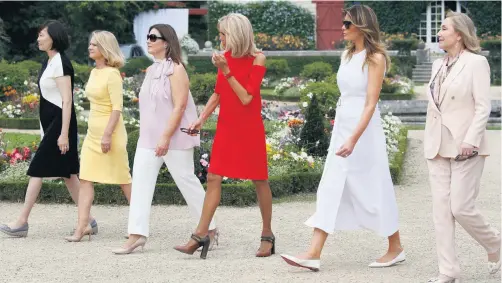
{"type": "Point", "coordinates": [356, 190]}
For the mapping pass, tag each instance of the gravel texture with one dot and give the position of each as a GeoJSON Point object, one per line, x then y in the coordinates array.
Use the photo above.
{"type": "Point", "coordinates": [45, 257]}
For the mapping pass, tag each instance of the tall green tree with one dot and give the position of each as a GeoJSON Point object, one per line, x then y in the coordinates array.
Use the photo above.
{"type": "Point", "coordinates": [313, 137]}
{"type": "Point", "coordinates": [4, 41]}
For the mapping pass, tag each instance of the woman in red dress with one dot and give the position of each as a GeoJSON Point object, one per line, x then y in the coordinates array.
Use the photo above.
{"type": "Point", "coordinates": [239, 149]}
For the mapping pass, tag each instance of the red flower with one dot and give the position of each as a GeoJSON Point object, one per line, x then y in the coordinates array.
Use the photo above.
{"type": "Point", "coordinates": [332, 122]}
{"type": "Point", "coordinates": [123, 74]}
{"type": "Point", "coordinates": [26, 153]}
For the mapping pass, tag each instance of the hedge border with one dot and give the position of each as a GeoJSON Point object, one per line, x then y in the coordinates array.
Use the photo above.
{"type": "Point", "coordinates": [239, 195]}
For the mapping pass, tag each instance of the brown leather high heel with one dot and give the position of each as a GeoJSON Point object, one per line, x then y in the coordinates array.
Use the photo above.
{"type": "Point", "coordinates": [190, 249]}
{"type": "Point", "coordinates": [270, 239]}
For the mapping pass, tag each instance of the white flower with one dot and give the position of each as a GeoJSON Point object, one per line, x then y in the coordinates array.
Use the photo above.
{"type": "Point", "coordinates": [25, 82]}
{"type": "Point", "coordinates": [305, 104]}
{"type": "Point", "coordinates": [204, 155]}
{"type": "Point", "coordinates": [276, 156]}
{"type": "Point", "coordinates": [310, 95]}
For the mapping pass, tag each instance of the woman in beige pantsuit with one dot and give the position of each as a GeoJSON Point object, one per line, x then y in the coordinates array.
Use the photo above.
{"type": "Point", "coordinates": [456, 146]}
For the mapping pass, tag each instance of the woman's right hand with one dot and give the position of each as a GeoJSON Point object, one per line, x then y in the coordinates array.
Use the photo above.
{"type": "Point", "coordinates": [106, 142]}
{"type": "Point", "coordinates": [197, 125]}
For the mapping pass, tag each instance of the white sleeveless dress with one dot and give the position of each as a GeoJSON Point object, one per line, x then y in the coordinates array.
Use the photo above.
{"type": "Point", "coordinates": [356, 192]}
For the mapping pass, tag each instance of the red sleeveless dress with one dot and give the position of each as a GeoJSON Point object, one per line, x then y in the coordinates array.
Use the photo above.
{"type": "Point", "coordinates": [239, 147]}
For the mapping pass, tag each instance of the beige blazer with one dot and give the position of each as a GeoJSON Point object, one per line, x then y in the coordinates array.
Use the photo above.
{"type": "Point", "coordinates": [465, 109]}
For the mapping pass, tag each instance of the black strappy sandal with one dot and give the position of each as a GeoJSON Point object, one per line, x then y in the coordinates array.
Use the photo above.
{"type": "Point", "coordinates": [270, 239]}
{"type": "Point", "coordinates": [201, 242]}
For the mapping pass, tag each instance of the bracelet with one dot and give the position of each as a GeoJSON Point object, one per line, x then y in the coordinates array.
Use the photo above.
{"type": "Point", "coordinates": [229, 75]}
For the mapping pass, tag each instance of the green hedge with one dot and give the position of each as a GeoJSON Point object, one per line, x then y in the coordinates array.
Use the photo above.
{"type": "Point", "coordinates": [296, 64]}
{"type": "Point", "coordinates": [242, 194]}
{"type": "Point", "coordinates": [268, 17]}
{"type": "Point", "coordinates": [396, 167]}
{"type": "Point", "coordinates": [403, 64]}
{"type": "Point", "coordinates": [20, 123]}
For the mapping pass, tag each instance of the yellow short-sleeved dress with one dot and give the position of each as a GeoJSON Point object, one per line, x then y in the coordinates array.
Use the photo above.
{"type": "Point", "coordinates": [104, 91]}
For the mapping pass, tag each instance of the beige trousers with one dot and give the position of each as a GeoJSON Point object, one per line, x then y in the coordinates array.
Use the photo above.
{"type": "Point", "coordinates": [455, 186]}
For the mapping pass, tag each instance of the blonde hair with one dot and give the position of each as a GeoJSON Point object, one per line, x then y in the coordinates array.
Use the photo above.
{"type": "Point", "coordinates": [465, 27]}
{"type": "Point", "coordinates": [239, 35]}
{"type": "Point", "coordinates": [364, 18]}
{"type": "Point", "coordinates": [109, 47]}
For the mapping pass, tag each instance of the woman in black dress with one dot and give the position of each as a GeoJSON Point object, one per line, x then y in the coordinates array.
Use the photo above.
{"type": "Point", "coordinates": [57, 154]}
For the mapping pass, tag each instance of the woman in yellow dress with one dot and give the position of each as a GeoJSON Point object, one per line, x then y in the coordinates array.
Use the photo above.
{"type": "Point", "coordinates": [104, 155]}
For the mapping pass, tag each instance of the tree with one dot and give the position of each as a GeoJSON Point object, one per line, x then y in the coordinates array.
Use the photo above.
{"type": "Point", "coordinates": [4, 41]}
{"type": "Point", "coordinates": [313, 137]}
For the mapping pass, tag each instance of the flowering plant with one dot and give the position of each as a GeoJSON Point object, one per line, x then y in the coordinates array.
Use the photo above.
{"type": "Point", "coordinates": [11, 111]}
{"type": "Point", "coordinates": [391, 127]}
{"type": "Point", "coordinates": [281, 42]}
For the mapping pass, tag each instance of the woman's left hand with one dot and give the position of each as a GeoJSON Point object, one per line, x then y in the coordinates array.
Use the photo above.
{"type": "Point", "coordinates": [220, 61]}
{"type": "Point", "coordinates": [162, 147]}
{"type": "Point", "coordinates": [346, 149]}
{"type": "Point", "coordinates": [63, 144]}
{"type": "Point", "coordinates": [466, 149]}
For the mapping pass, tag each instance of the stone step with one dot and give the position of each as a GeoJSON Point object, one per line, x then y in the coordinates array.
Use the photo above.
{"type": "Point", "coordinates": [418, 67]}
{"type": "Point", "coordinates": [419, 107]}
{"type": "Point", "coordinates": [422, 72]}
{"type": "Point", "coordinates": [492, 121]}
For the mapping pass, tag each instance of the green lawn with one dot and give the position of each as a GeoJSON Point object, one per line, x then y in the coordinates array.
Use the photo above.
{"type": "Point", "coordinates": [20, 140]}
{"type": "Point", "coordinates": [267, 91]}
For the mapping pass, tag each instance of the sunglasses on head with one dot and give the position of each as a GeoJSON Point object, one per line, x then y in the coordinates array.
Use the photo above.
{"type": "Point", "coordinates": [347, 24]}
{"type": "Point", "coordinates": [154, 37]}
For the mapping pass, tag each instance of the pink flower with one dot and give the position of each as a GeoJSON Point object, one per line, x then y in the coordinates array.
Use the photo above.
{"type": "Point", "coordinates": [332, 122]}
{"type": "Point", "coordinates": [204, 162]}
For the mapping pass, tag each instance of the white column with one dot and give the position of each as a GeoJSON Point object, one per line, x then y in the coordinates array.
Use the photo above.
{"type": "Point", "coordinates": [442, 10]}
{"type": "Point", "coordinates": [459, 8]}
{"type": "Point", "coordinates": [429, 25]}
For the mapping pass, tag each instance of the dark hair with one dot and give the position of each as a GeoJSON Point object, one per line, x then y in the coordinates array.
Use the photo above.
{"type": "Point", "coordinates": [57, 32]}
{"type": "Point", "coordinates": [173, 49]}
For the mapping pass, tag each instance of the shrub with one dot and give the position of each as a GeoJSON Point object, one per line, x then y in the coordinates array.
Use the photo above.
{"type": "Point", "coordinates": [33, 67]}
{"type": "Point", "coordinates": [281, 42]}
{"type": "Point", "coordinates": [277, 68]}
{"type": "Point", "coordinates": [317, 71]}
{"type": "Point", "coordinates": [327, 96]}
{"type": "Point", "coordinates": [202, 87]}
{"type": "Point", "coordinates": [268, 17]}
{"type": "Point", "coordinates": [132, 141]}
{"type": "Point", "coordinates": [82, 73]}
{"type": "Point", "coordinates": [332, 79]}
{"type": "Point", "coordinates": [313, 136]}
{"type": "Point", "coordinates": [136, 65]}
{"type": "Point", "coordinates": [15, 74]}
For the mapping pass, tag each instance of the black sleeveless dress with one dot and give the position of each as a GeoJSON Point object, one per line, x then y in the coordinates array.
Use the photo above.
{"type": "Point", "coordinates": [48, 160]}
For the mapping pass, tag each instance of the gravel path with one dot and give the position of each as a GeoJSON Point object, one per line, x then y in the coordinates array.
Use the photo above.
{"type": "Point", "coordinates": [45, 257]}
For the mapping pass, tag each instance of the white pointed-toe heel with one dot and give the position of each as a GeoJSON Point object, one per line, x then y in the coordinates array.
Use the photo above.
{"type": "Point", "coordinates": [312, 264]}
{"type": "Point", "coordinates": [398, 259]}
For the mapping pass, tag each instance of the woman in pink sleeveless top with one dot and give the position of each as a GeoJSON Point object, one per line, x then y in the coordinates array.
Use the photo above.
{"type": "Point", "coordinates": [165, 106]}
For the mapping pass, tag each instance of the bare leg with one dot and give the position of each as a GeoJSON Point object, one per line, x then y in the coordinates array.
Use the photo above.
{"type": "Point", "coordinates": [32, 192]}
{"type": "Point", "coordinates": [394, 250]}
{"type": "Point", "coordinates": [85, 198]}
{"type": "Point", "coordinates": [316, 245]}
{"type": "Point", "coordinates": [73, 185]}
{"type": "Point", "coordinates": [264, 196]}
{"type": "Point", "coordinates": [211, 202]}
{"type": "Point", "coordinates": [126, 189]}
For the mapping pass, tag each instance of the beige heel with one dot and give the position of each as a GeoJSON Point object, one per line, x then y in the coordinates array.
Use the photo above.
{"type": "Point", "coordinates": [139, 243]}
